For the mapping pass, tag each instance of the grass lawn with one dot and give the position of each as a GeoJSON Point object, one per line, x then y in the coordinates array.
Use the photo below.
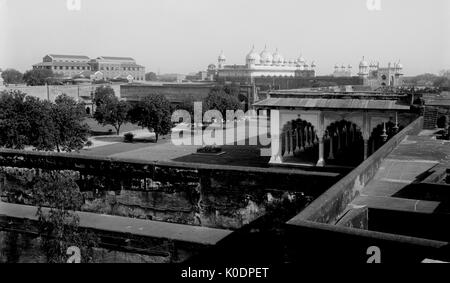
{"type": "Point", "coordinates": [97, 129]}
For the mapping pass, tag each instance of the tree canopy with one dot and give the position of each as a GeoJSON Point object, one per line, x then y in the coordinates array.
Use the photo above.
{"type": "Point", "coordinates": [151, 76]}
{"type": "Point", "coordinates": [221, 101]}
{"type": "Point", "coordinates": [103, 94]}
{"type": "Point", "coordinates": [154, 113]}
{"type": "Point", "coordinates": [12, 76]}
{"type": "Point", "coordinates": [28, 121]}
{"type": "Point", "coordinates": [113, 112]}
{"type": "Point", "coordinates": [38, 77]}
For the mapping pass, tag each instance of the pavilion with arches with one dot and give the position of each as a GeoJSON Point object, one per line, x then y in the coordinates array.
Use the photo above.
{"type": "Point", "coordinates": [341, 129]}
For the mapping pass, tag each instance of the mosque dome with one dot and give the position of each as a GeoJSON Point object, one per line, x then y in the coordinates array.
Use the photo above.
{"type": "Point", "coordinates": [363, 63]}
{"type": "Point", "coordinates": [301, 60]}
{"type": "Point", "coordinates": [211, 67]}
{"type": "Point", "coordinates": [399, 66]}
{"type": "Point", "coordinates": [313, 64]}
{"type": "Point", "coordinates": [253, 56]}
{"type": "Point", "coordinates": [278, 58]}
{"type": "Point", "coordinates": [222, 57]}
{"type": "Point", "coordinates": [266, 56]}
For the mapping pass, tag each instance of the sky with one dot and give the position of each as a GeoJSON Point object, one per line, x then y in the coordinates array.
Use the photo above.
{"type": "Point", "coordinates": [184, 36]}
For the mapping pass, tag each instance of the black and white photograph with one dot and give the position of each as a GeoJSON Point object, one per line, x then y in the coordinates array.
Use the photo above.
{"type": "Point", "coordinates": [223, 138]}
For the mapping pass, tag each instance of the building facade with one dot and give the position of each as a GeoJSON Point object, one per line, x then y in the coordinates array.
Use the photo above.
{"type": "Point", "coordinates": [376, 76]}
{"type": "Point", "coordinates": [264, 64]}
{"type": "Point", "coordinates": [65, 65]}
{"type": "Point", "coordinates": [118, 68]}
{"type": "Point", "coordinates": [102, 67]}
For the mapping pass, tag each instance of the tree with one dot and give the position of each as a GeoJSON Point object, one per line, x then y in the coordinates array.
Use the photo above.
{"type": "Point", "coordinates": [154, 113]}
{"type": "Point", "coordinates": [70, 132]}
{"type": "Point", "coordinates": [38, 77]}
{"type": "Point", "coordinates": [103, 94]}
{"type": "Point", "coordinates": [151, 76]}
{"type": "Point", "coordinates": [28, 121]}
{"type": "Point", "coordinates": [221, 101]}
{"type": "Point", "coordinates": [12, 76]}
{"type": "Point", "coordinates": [113, 112]}
{"type": "Point", "coordinates": [14, 124]}
{"type": "Point", "coordinates": [59, 227]}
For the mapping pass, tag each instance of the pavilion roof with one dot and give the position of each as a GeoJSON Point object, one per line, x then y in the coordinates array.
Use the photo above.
{"type": "Point", "coordinates": [323, 103]}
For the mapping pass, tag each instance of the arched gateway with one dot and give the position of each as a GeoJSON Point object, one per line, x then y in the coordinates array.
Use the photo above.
{"type": "Point", "coordinates": [311, 129]}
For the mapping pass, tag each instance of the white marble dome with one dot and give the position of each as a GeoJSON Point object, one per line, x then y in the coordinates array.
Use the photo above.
{"type": "Point", "coordinates": [253, 56]}
{"type": "Point", "coordinates": [222, 57]}
{"type": "Point", "coordinates": [278, 58]}
{"type": "Point", "coordinates": [266, 57]}
{"type": "Point", "coordinates": [363, 63]}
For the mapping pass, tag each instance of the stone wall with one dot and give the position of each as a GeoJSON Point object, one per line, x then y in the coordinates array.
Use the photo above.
{"type": "Point", "coordinates": [175, 93]}
{"type": "Point", "coordinates": [193, 194]}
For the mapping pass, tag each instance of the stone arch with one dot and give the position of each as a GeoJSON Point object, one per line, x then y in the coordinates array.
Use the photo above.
{"type": "Point", "coordinates": [299, 140]}
{"type": "Point", "coordinates": [381, 134]}
{"type": "Point", "coordinates": [344, 144]}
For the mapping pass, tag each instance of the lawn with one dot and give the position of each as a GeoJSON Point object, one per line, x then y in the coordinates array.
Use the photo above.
{"type": "Point", "coordinates": [98, 130]}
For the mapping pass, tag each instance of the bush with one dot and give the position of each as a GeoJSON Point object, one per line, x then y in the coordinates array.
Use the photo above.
{"type": "Point", "coordinates": [128, 137]}
{"type": "Point", "coordinates": [209, 149]}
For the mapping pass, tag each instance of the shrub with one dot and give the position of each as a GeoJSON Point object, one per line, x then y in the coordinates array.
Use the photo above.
{"type": "Point", "coordinates": [128, 137]}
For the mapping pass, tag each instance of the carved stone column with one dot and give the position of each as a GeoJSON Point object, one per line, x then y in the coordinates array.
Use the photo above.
{"type": "Point", "coordinates": [331, 155]}
{"type": "Point", "coordinates": [366, 148]}
{"type": "Point", "coordinates": [321, 161]}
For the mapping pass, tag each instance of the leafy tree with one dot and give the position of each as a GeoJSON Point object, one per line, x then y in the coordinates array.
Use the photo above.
{"type": "Point", "coordinates": [221, 101]}
{"type": "Point", "coordinates": [151, 76]}
{"type": "Point", "coordinates": [14, 123]}
{"type": "Point", "coordinates": [113, 112]}
{"type": "Point", "coordinates": [38, 77]}
{"type": "Point", "coordinates": [28, 121]}
{"type": "Point", "coordinates": [12, 76]}
{"type": "Point", "coordinates": [59, 226]}
{"type": "Point", "coordinates": [70, 132]}
{"type": "Point", "coordinates": [103, 94]}
{"type": "Point", "coordinates": [154, 113]}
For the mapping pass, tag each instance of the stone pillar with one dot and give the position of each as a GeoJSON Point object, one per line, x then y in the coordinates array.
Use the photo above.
{"type": "Point", "coordinates": [339, 137]}
{"type": "Point", "coordinates": [296, 143]}
{"type": "Point", "coordinates": [307, 143]}
{"type": "Point", "coordinates": [366, 148]}
{"type": "Point", "coordinates": [276, 137]}
{"type": "Point", "coordinates": [321, 161]}
{"type": "Point", "coordinates": [301, 139]}
{"type": "Point", "coordinates": [331, 155]}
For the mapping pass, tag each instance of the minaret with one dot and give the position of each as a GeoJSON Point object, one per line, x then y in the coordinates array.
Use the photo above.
{"type": "Point", "coordinates": [221, 60]}
{"type": "Point", "coordinates": [363, 68]}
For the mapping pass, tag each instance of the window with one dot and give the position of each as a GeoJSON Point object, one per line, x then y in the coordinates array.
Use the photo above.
{"type": "Point", "coordinates": [73, 68]}
{"type": "Point", "coordinates": [67, 67]}
{"type": "Point", "coordinates": [60, 67]}
{"type": "Point", "coordinates": [78, 67]}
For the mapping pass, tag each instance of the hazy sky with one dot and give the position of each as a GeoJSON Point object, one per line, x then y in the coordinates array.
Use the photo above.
{"type": "Point", "coordinates": [186, 35]}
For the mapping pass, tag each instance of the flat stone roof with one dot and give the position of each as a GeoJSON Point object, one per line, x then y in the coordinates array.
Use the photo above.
{"type": "Point", "coordinates": [147, 228]}
{"type": "Point", "coordinates": [320, 103]}
{"type": "Point", "coordinates": [414, 156]}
